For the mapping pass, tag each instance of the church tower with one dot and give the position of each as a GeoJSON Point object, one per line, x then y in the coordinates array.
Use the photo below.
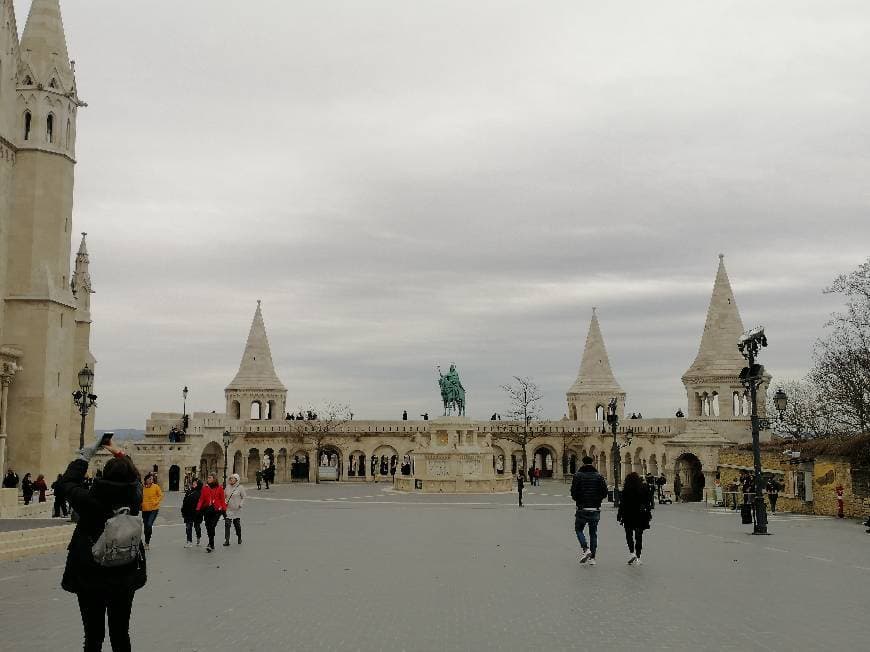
{"type": "Point", "coordinates": [41, 309]}
{"type": "Point", "coordinates": [82, 291]}
{"type": "Point", "coordinates": [595, 385]}
{"type": "Point", "coordinates": [712, 382]}
{"type": "Point", "coordinates": [256, 392]}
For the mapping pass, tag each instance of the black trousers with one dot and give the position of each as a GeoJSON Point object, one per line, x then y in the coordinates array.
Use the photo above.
{"type": "Point", "coordinates": [189, 527]}
{"type": "Point", "coordinates": [59, 505]}
{"type": "Point", "coordinates": [520, 492]}
{"type": "Point", "coordinates": [210, 525]}
{"type": "Point", "coordinates": [94, 607]}
{"type": "Point", "coordinates": [237, 522]}
{"type": "Point", "coordinates": [634, 539]}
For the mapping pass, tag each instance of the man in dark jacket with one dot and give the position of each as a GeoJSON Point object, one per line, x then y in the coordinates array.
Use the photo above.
{"type": "Point", "coordinates": [10, 480]}
{"type": "Point", "coordinates": [101, 590]}
{"type": "Point", "coordinates": [588, 489]}
{"type": "Point", "coordinates": [520, 484]}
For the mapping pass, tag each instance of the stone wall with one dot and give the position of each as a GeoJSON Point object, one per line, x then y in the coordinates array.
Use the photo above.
{"type": "Point", "coordinates": [827, 473]}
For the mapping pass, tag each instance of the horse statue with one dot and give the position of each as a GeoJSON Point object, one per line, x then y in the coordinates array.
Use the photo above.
{"type": "Point", "coordinates": [452, 391]}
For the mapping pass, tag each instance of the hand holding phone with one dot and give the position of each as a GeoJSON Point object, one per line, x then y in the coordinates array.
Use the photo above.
{"type": "Point", "coordinates": [107, 438]}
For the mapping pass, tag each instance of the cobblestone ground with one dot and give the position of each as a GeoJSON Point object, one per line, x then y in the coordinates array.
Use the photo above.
{"type": "Point", "coordinates": [357, 567]}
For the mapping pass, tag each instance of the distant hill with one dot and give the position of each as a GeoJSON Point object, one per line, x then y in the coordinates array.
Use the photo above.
{"type": "Point", "coordinates": [123, 433]}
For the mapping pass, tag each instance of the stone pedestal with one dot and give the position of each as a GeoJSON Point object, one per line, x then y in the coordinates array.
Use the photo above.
{"type": "Point", "coordinates": [454, 460]}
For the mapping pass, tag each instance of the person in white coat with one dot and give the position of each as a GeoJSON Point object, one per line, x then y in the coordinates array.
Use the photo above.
{"type": "Point", "coordinates": [235, 496]}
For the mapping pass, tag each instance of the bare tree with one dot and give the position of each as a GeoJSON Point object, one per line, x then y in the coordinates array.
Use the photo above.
{"type": "Point", "coordinates": [841, 372]}
{"type": "Point", "coordinates": [806, 415]}
{"type": "Point", "coordinates": [320, 423]}
{"type": "Point", "coordinates": [524, 397]}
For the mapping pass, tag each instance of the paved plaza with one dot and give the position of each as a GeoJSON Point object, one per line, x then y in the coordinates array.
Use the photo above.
{"type": "Point", "coordinates": [358, 567]}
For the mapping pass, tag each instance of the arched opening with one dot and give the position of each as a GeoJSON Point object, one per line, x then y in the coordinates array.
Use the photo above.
{"type": "Point", "coordinates": [68, 132]}
{"type": "Point", "coordinates": [174, 477]}
{"type": "Point", "coordinates": [269, 464]}
{"type": "Point", "coordinates": [270, 410]}
{"type": "Point", "coordinates": [705, 402]}
{"type": "Point", "coordinates": [356, 464]}
{"type": "Point", "coordinates": [603, 469]}
{"type": "Point", "coordinates": [639, 463]}
{"type": "Point", "coordinates": [515, 462]}
{"type": "Point", "coordinates": [28, 123]}
{"type": "Point", "coordinates": [599, 413]}
{"type": "Point", "coordinates": [238, 463]}
{"type": "Point", "coordinates": [299, 466]}
{"type": "Point", "coordinates": [745, 404]}
{"type": "Point", "coordinates": [254, 463]}
{"type": "Point", "coordinates": [498, 460]}
{"type": "Point", "coordinates": [211, 460]}
{"type": "Point", "coordinates": [235, 410]}
{"type": "Point", "coordinates": [653, 465]}
{"type": "Point", "coordinates": [664, 465]}
{"type": "Point", "coordinates": [329, 467]}
{"type": "Point", "coordinates": [735, 404]}
{"type": "Point", "coordinates": [381, 460]}
{"type": "Point", "coordinates": [572, 463]}
{"type": "Point", "coordinates": [715, 406]}
{"type": "Point", "coordinates": [256, 410]}
{"type": "Point", "coordinates": [543, 459]}
{"type": "Point", "coordinates": [573, 411]}
{"type": "Point", "coordinates": [688, 469]}
{"type": "Point", "coordinates": [49, 128]}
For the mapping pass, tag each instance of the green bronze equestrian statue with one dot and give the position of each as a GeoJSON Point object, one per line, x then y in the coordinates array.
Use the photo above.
{"type": "Point", "coordinates": [452, 391]}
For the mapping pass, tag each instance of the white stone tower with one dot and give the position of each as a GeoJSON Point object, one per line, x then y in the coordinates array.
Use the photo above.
{"type": "Point", "coordinates": [595, 385]}
{"type": "Point", "coordinates": [712, 382]}
{"type": "Point", "coordinates": [82, 290]}
{"type": "Point", "coordinates": [256, 392]}
{"type": "Point", "coordinates": [41, 309]}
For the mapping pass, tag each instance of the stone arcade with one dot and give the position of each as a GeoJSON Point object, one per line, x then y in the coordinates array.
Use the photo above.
{"type": "Point", "coordinates": [366, 450]}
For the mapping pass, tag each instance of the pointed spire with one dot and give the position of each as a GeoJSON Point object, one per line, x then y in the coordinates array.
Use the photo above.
{"type": "Point", "coordinates": [80, 284]}
{"type": "Point", "coordinates": [256, 370]}
{"type": "Point", "coordinates": [595, 372]}
{"type": "Point", "coordinates": [718, 354]}
{"type": "Point", "coordinates": [43, 46]}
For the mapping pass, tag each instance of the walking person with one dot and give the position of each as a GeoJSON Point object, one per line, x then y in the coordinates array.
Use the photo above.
{"type": "Point", "coordinates": [152, 496]}
{"type": "Point", "coordinates": [259, 476]}
{"type": "Point", "coordinates": [235, 499]}
{"type": "Point", "coordinates": [212, 504]}
{"type": "Point", "coordinates": [588, 489]}
{"type": "Point", "coordinates": [103, 590]}
{"type": "Point", "coordinates": [27, 488]}
{"type": "Point", "coordinates": [634, 515]}
{"type": "Point", "coordinates": [192, 518]}
{"type": "Point", "coordinates": [59, 500]}
{"type": "Point", "coordinates": [520, 485]}
{"type": "Point", "coordinates": [41, 487]}
{"type": "Point", "coordinates": [678, 487]}
{"type": "Point", "coordinates": [772, 494]}
{"type": "Point", "coordinates": [537, 477]}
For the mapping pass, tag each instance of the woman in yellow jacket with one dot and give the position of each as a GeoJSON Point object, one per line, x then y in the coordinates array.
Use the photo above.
{"type": "Point", "coordinates": [152, 496]}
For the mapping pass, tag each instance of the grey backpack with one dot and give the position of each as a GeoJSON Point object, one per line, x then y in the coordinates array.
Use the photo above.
{"type": "Point", "coordinates": [118, 545]}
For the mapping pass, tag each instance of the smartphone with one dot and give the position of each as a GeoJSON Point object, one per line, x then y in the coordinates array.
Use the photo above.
{"type": "Point", "coordinates": [107, 438]}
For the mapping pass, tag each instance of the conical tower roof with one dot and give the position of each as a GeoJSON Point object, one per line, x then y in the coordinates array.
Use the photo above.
{"type": "Point", "coordinates": [718, 354]}
{"type": "Point", "coordinates": [43, 45]}
{"type": "Point", "coordinates": [595, 373]}
{"type": "Point", "coordinates": [256, 370]}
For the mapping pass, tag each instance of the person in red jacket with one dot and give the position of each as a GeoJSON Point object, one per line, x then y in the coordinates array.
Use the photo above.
{"type": "Point", "coordinates": [212, 504]}
{"type": "Point", "coordinates": [41, 487]}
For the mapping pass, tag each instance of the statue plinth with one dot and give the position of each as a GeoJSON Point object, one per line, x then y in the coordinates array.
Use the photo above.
{"type": "Point", "coordinates": [456, 459]}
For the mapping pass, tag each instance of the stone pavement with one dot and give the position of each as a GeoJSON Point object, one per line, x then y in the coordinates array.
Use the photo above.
{"type": "Point", "coordinates": [357, 567]}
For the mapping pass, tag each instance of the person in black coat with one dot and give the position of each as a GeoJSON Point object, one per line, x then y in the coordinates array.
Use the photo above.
{"type": "Point", "coordinates": [27, 489]}
{"type": "Point", "coordinates": [59, 500]}
{"type": "Point", "coordinates": [634, 514]}
{"type": "Point", "coordinates": [192, 518]}
{"type": "Point", "coordinates": [10, 480]}
{"type": "Point", "coordinates": [520, 485]}
{"type": "Point", "coordinates": [102, 590]}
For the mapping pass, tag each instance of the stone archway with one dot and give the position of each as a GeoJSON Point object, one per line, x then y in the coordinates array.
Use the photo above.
{"type": "Point", "coordinates": [330, 464]}
{"type": "Point", "coordinates": [174, 477]}
{"type": "Point", "coordinates": [689, 469]}
{"type": "Point", "coordinates": [254, 463]}
{"type": "Point", "coordinates": [239, 463]}
{"type": "Point", "coordinates": [382, 458]}
{"type": "Point", "coordinates": [544, 458]}
{"type": "Point", "coordinates": [211, 460]}
{"type": "Point", "coordinates": [499, 460]}
{"type": "Point", "coordinates": [356, 464]}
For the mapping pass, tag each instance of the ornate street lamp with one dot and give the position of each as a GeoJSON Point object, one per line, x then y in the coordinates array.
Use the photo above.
{"type": "Point", "coordinates": [751, 377]}
{"type": "Point", "coordinates": [83, 399]}
{"type": "Point", "coordinates": [780, 400]}
{"type": "Point", "coordinates": [228, 438]}
{"type": "Point", "coordinates": [613, 421]}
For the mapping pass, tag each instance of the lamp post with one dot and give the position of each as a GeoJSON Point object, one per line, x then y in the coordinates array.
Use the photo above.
{"type": "Point", "coordinates": [751, 377]}
{"type": "Point", "coordinates": [228, 438]}
{"type": "Point", "coordinates": [780, 401]}
{"type": "Point", "coordinates": [184, 410]}
{"type": "Point", "coordinates": [613, 421]}
{"type": "Point", "coordinates": [83, 399]}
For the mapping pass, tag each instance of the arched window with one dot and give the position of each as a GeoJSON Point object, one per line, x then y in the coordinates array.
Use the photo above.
{"type": "Point", "coordinates": [28, 122]}
{"type": "Point", "coordinates": [599, 413]}
{"type": "Point", "coordinates": [68, 134]}
{"type": "Point", "coordinates": [49, 128]}
{"type": "Point", "coordinates": [745, 404]}
{"type": "Point", "coordinates": [28, 81]}
{"type": "Point", "coordinates": [705, 401]}
{"type": "Point", "coordinates": [256, 410]}
{"type": "Point", "coordinates": [573, 412]}
{"type": "Point", "coordinates": [735, 404]}
{"type": "Point", "coordinates": [715, 409]}
{"type": "Point", "coordinates": [52, 83]}
{"type": "Point", "coordinates": [235, 410]}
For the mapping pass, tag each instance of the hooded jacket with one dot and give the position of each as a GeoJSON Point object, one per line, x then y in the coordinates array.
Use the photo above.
{"type": "Point", "coordinates": [235, 497]}
{"type": "Point", "coordinates": [95, 506]}
{"type": "Point", "coordinates": [588, 488]}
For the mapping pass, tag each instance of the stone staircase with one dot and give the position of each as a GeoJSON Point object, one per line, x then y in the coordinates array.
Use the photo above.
{"type": "Point", "coordinates": [18, 544]}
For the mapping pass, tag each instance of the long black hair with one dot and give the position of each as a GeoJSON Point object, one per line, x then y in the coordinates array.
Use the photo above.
{"type": "Point", "coordinates": [633, 483]}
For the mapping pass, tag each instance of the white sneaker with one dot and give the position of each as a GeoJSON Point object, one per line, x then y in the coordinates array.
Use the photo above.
{"type": "Point", "coordinates": [591, 561]}
{"type": "Point", "coordinates": [632, 560]}
{"type": "Point", "coordinates": [583, 556]}
{"type": "Point", "coordinates": [188, 545]}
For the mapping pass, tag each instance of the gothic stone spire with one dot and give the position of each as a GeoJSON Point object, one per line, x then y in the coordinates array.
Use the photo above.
{"type": "Point", "coordinates": [595, 373]}
{"type": "Point", "coordinates": [256, 370]}
{"type": "Point", "coordinates": [43, 47]}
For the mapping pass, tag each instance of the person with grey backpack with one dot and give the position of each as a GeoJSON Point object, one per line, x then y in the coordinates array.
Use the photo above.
{"type": "Point", "coordinates": [105, 563]}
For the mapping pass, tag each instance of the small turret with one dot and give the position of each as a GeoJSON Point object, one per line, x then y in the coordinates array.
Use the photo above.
{"type": "Point", "coordinates": [81, 279]}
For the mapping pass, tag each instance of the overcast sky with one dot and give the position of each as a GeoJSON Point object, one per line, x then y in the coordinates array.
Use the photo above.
{"type": "Point", "coordinates": [406, 184]}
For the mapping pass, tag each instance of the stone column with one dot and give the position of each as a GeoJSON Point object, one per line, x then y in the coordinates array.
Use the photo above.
{"type": "Point", "coordinates": [5, 381]}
